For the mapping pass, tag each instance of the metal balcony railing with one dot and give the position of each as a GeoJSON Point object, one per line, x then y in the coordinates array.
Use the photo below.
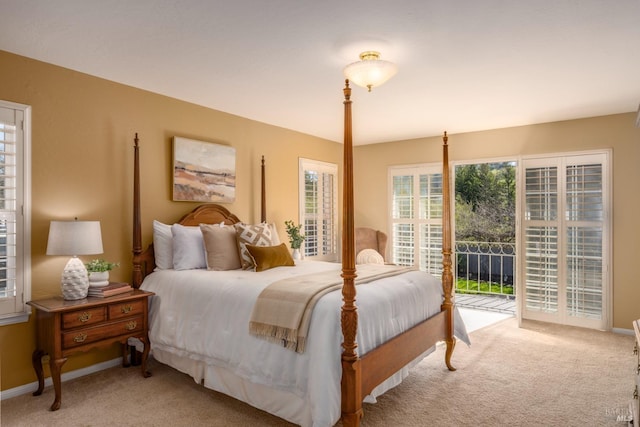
{"type": "Point", "coordinates": [485, 268]}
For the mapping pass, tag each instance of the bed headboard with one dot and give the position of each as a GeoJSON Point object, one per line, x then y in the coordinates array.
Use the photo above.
{"type": "Point", "coordinates": [144, 261]}
{"type": "Point", "coordinates": [209, 214]}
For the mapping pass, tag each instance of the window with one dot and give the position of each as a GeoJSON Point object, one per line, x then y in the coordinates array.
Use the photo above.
{"type": "Point", "coordinates": [565, 229]}
{"type": "Point", "coordinates": [319, 209]}
{"type": "Point", "coordinates": [416, 216]}
{"type": "Point", "coordinates": [15, 287]}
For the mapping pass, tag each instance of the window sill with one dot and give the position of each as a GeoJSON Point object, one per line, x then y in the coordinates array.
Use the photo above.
{"type": "Point", "coordinates": [14, 318]}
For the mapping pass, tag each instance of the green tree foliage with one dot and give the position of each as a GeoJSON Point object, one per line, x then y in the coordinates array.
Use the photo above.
{"type": "Point", "coordinates": [485, 202]}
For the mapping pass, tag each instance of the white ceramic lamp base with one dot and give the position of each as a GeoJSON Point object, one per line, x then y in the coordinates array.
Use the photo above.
{"type": "Point", "coordinates": [75, 280]}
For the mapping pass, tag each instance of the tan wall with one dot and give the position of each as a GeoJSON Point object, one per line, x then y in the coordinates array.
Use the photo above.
{"type": "Point", "coordinates": [83, 129]}
{"type": "Point", "coordinates": [616, 132]}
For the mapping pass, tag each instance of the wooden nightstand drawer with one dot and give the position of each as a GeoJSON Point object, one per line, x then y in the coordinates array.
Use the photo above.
{"type": "Point", "coordinates": [84, 317]}
{"type": "Point", "coordinates": [88, 335]}
{"type": "Point", "coordinates": [126, 309]}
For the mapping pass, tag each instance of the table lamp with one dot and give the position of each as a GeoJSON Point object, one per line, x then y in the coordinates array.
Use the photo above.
{"type": "Point", "coordinates": [74, 238]}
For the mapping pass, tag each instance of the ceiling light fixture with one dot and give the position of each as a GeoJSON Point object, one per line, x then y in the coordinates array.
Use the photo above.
{"type": "Point", "coordinates": [370, 71]}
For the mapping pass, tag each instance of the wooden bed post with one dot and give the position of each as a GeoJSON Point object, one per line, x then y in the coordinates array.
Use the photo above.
{"type": "Point", "coordinates": [447, 275]}
{"type": "Point", "coordinates": [351, 369]}
{"type": "Point", "coordinates": [263, 196]}
{"type": "Point", "coordinates": [137, 223]}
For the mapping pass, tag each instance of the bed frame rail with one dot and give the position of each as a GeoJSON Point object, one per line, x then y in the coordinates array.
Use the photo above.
{"type": "Point", "coordinates": [386, 360]}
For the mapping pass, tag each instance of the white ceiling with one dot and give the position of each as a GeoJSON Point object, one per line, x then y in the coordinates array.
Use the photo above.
{"type": "Point", "coordinates": [464, 65]}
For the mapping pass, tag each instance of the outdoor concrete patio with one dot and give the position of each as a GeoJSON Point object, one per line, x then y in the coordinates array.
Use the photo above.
{"type": "Point", "coordinates": [500, 304]}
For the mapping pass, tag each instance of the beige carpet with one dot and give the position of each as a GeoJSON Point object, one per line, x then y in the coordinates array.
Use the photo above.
{"type": "Point", "coordinates": [538, 375]}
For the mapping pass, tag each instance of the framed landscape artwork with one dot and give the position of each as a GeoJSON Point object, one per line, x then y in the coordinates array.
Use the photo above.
{"type": "Point", "coordinates": [203, 171]}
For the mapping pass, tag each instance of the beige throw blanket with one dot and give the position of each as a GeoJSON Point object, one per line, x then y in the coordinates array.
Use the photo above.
{"type": "Point", "coordinates": [283, 309]}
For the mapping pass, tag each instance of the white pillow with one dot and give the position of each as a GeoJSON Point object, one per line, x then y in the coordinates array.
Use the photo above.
{"type": "Point", "coordinates": [369, 256]}
{"type": "Point", "coordinates": [188, 248]}
{"type": "Point", "coordinates": [162, 245]}
{"type": "Point", "coordinates": [275, 238]}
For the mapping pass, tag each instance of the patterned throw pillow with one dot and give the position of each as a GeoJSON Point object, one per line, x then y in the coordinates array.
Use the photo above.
{"type": "Point", "coordinates": [256, 235]}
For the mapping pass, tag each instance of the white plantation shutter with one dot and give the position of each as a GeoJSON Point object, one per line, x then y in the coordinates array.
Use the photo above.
{"type": "Point", "coordinates": [319, 209]}
{"type": "Point", "coordinates": [565, 239]}
{"type": "Point", "coordinates": [431, 223]}
{"type": "Point", "coordinates": [585, 227]}
{"type": "Point", "coordinates": [402, 235]}
{"type": "Point", "coordinates": [416, 217]}
{"type": "Point", "coordinates": [541, 238]}
{"type": "Point", "coordinates": [14, 246]}
{"type": "Point", "coordinates": [8, 208]}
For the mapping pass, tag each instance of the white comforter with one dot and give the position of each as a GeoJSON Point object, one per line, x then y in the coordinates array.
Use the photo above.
{"type": "Point", "coordinates": [199, 324]}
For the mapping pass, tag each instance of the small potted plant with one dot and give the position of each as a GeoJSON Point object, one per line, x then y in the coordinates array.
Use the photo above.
{"type": "Point", "coordinates": [295, 238]}
{"type": "Point", "coordinates": [99, 271]}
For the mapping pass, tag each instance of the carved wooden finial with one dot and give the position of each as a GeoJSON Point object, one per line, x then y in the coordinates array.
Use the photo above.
{"type": "Point", "coordinates": [346, 90]}
{"type": "Point", "coordinates": [445, 138]}
{"type": "Point", "coordinates": [135, 140]}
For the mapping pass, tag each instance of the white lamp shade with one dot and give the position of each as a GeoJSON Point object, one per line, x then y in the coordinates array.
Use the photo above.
{"type": "Point", "coordinates": [370, 71]}
{"type": "Point", "coordinates": [74, 238]}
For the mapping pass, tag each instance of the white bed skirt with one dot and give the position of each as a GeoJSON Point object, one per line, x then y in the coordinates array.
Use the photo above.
{"type": "Point", "coordinates": [280, 403]}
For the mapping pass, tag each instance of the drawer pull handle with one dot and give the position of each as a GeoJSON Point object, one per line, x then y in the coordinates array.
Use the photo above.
{"type": "Point", "coordinates": [126, 308]}
{"type": "Point", "coordinates": [80, 337]}
{"type": "Point", "coordinates": [84, 317]}
{"type": "Point", "coordinates": [131, 325]}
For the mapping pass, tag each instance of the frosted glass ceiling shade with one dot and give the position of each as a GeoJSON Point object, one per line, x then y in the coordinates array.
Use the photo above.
{"type": "Point", "coordinates": [74, 238]}
{"type": "Point", "coordinates": [370, 71]}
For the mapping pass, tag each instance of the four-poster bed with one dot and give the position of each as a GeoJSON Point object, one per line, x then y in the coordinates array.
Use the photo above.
{"type": "Point", "coordinates": [309, 386]}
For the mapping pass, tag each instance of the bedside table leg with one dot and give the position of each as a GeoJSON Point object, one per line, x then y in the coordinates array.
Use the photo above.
{"type": "Point", "coordinates": [36, 361]}
{"type": "Point", "coordinates": [145, 355]}
{"type": "Point", "coordinates": [55, 365]}
{"type": "Point", "coordinates": [125, 355]}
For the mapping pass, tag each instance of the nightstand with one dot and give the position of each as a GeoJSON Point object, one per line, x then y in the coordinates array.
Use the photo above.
{"type": "Point", "coordinates": [67, 327]}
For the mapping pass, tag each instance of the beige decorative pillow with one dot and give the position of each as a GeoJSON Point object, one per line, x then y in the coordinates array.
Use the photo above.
{"type": "Point", "coordinates": [256, 235]}
{"type": "Point", "coordinates": [266, 257]}
{"type": "Point", "coordinates": [220, 247]}
{"type": "Point", "coordinates": [369, 256]}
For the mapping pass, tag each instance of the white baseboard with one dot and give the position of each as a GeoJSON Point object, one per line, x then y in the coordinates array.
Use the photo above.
{"type": "Point", "coordinates": [623, 331]}
{"type": "Point", "coordinates": [30, 388]}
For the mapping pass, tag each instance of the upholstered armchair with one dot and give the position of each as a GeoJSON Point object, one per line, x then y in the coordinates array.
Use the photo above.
{"type": "Point", "coordinates": [368, 238]}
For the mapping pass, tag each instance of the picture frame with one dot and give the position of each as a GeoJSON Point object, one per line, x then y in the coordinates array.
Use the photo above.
{"type": "Point", "coordinates": [203, 171]}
